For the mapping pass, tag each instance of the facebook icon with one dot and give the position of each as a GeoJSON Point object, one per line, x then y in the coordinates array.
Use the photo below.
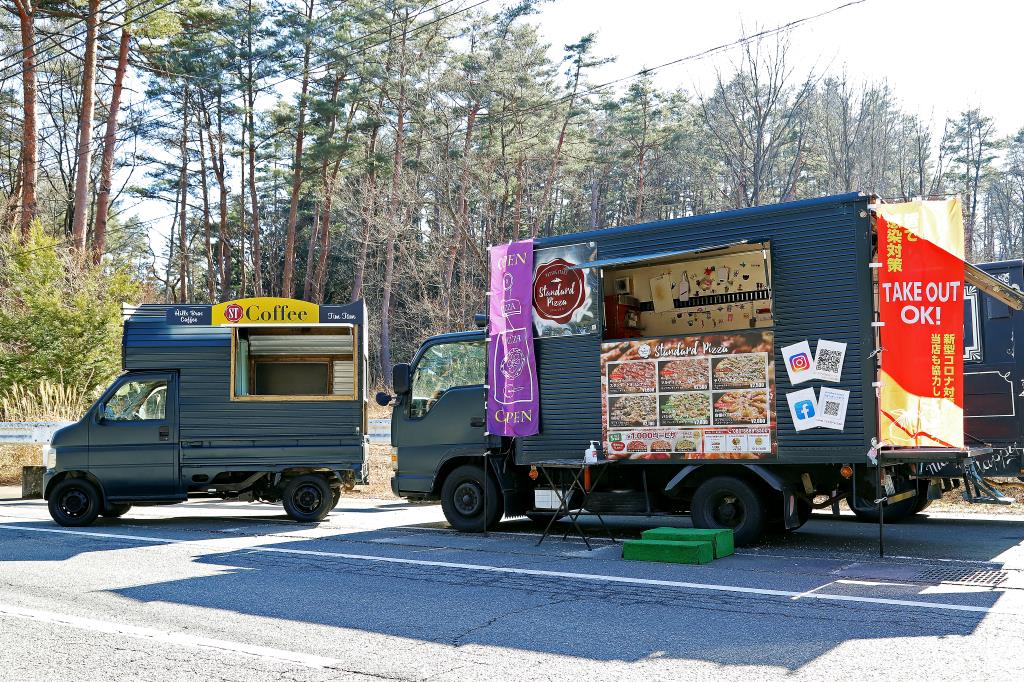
{"type": "Point", "coordinates": [804, 409]}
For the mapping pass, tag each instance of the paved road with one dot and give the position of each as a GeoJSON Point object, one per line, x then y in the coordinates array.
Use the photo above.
{"type": "Point", "coordinates": [229, 591]}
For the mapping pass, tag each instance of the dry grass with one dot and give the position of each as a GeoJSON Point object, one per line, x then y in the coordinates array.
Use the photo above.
{"type": "Point", "coordinates": [953, 501]}
{"type": "Point", "coordinates": [379, 472]}
{"type": "Point", "coordinates": [13, 457]}
{"type": "Point", "coordinates": [47, 401]}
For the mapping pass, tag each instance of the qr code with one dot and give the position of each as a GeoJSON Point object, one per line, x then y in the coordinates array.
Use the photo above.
{"type": "Point", "coordinates": [831, 409]}
{"type": "Point", "coordinates": [828, 360]}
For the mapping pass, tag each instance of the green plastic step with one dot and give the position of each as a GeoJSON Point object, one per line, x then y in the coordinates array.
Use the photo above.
{"type": "Point", "coordinates": [668, 551]}
{"type": "Point", "coordinates": [721, 538]}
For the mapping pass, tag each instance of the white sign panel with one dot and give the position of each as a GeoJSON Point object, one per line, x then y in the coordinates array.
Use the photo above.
{"type": "Point", "coordinates": [803, 408]}
{"type": "Point", "coordinates": [831, 408]}
{"type": "Point", "coordinates": [799, 365]}
{"type": "Point", "coordinates": [828, 360]}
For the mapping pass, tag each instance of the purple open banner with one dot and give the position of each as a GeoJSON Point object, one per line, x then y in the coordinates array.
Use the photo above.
{"type": "Point", "coordinates": [513, 405]}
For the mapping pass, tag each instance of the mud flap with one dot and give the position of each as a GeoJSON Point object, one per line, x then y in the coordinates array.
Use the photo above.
{"type": "Point", "coordinates": [790, 517]}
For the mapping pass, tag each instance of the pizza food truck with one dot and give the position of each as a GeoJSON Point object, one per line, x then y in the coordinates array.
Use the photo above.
{"type": "Point", "coordinates": [259, 399]}
{"type": "Point", "coordinates": [744, 367]}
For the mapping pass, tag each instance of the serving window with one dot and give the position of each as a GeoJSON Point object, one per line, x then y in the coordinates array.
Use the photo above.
{"type": "Point", "coordinates": [294, 363]}
{"type": "Point", "coordinates": [721, 290]}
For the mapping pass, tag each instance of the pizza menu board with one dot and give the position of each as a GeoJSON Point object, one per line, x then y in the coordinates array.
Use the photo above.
{"type": "Point", "coordinates": [689, 397]}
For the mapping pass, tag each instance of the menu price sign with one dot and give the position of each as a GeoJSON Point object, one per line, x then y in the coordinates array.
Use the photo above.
{"type": "Point", "coordinates": [691, 397]}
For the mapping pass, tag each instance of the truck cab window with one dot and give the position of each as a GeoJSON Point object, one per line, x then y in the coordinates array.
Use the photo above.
{"type": "Point", "coordinates": [137, 401]}
{"type": "Point", "coordinates": [443, 366]}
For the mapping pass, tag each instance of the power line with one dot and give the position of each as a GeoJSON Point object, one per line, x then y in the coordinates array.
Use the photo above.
{"type": "Point", "coordinates": [352, 53]}
{"type": "Point", "coordinates": [693, 57]}
{"type": "Point", "coordinates": [109, 32]}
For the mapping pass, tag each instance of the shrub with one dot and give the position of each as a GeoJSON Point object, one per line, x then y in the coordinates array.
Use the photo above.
{"type": "Point", "coordinates": [60, 319]}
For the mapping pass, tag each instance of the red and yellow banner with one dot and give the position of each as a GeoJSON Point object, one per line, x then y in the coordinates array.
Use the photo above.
{"type": "Point", "coordinates": [920, 290]}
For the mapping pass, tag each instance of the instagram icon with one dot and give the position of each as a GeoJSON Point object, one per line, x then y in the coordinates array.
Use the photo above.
{"type": "Point", "coordinates": [799, 362]}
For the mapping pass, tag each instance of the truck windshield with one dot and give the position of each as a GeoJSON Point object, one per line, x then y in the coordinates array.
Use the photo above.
{"type": "Point", "coordinates": [443, 366]}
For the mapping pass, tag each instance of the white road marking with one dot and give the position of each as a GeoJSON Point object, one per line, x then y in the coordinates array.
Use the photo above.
{"type": "Point", "coordinates": [506, 570]}
{"type": "Point", "coordinates": [169, 637]}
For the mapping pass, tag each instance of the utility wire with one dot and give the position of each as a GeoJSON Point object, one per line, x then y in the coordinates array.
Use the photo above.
{"type": "Point", "coordinates": [109, 32]}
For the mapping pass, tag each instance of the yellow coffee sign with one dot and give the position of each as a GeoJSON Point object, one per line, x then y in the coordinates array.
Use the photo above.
{"type": "Point", "coordinates": [266, 310]}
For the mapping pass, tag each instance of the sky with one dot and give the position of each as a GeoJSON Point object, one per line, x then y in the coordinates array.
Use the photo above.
{"type": "Point", "coordinates": [939, 57]}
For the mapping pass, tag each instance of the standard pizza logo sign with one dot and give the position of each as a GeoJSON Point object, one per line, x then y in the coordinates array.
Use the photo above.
{"type": "Point", "coordinates": [558, 292]}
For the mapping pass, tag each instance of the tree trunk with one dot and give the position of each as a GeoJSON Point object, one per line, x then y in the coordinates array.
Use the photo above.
{"type": "Point", "coordinates": [308, 283]}
{"type": "Point", "coordinates": [109, 140]}
{"type": "Point", "coordinates": [219, 170]}
{"type": "Point", "coordinates": [84, 152]}
{"type": "Point", "coordinates": [287, 285]}
{"type": "Point", "coordinates": [211, 273]}
{"type": "Point", "coordinates": [183, 189]}
{"type": "Point", "coordinates": [462, 216]}
{"type": "Point", "coordinates": [368, 205]}
{"type": "Point", "coordinates": [395, 212]}
{"type": "Point", "coordinates": [257, 266]}
{"type": "Point", "coordinates": [29, 150]}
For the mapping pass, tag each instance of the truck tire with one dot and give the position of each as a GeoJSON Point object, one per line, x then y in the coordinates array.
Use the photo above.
{"type": "Point", "coordinates": [335, 497]}
{"type": "Point", "coordinates": [543, 517]}
{"type": "Point", "coordinates": [728, 502]}
{"type": "Point", "coordinates": [115, 510]}
{"type": "Point", "coordinates": [75, 502]}
{"type": "Point", "coordinates": [867, 511]}
{"type": "Point", "coordinates": [462, 500]}
{"type": "Point", "coordinates": [308, 498]}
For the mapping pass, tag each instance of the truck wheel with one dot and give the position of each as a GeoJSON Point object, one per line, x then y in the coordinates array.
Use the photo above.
{"type": "Point", "coordinates": [866, 510]}
{"type": "Point", "coordinates": [462, 500]}
{"type": "Point", "coordinates": [308, 498]}
{"type": "Point", "coordinates": [543, 517]}
{"type": "Point", "coordinates": [115, 510]}
{"type": "Point", "coordinates": [727, 502]}
{"type": "Point", "coordinates": [75, 502]}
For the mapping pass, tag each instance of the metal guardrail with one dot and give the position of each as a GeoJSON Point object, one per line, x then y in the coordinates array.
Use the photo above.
{"type": "Point", "coordinates": [41, 432]}
{"type": "Point", "coordinates": [380, 431]}
{"type": "Point", "coordinates": [29, 432]}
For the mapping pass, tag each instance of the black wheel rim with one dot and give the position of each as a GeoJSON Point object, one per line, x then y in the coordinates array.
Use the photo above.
{"type": "Point", "coordinates": [307, 498]}
{"type": "Point", "coordinates": [727, 511]}
{"type": "Point", "coordinates": [468, 498]}
{"type": "Point", "coordinates": [75, 503]}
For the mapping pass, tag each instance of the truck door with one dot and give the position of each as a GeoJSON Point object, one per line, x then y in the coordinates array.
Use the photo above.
{"type": "Point", "coordinates": [133, 437]}
{"type": "Point", "coordinates": [443, 414]}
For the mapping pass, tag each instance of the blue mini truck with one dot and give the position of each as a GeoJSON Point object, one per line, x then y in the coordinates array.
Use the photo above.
{"type": "Point", "coordinates": [259, 399]}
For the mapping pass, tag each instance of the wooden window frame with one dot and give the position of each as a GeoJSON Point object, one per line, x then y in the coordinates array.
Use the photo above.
{"type": "Point", "coordinates": [329, 359]}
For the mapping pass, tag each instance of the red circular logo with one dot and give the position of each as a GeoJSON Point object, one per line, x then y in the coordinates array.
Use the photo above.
{"type": "Point", "coordinates": [558, 291]}
{"type": "Point", "coordinates": [233, 313]}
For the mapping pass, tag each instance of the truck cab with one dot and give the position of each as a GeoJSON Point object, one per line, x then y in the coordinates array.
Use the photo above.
{"type": "Point", "coordinates": [437, 425]}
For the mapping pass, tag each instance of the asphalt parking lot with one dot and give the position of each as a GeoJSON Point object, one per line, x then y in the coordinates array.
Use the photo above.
{"type": "Point", "coordinates": [384, 590]}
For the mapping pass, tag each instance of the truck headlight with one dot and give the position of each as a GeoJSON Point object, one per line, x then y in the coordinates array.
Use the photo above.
{"type": "Point", "coordinates": [49, 456]}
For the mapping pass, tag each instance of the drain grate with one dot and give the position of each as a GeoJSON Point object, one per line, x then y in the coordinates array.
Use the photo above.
{"type": "Point", "coordinates": [962, 576]}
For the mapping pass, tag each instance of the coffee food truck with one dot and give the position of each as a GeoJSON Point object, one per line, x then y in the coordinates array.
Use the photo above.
{"type": "Point", "coordinates": [259, 399]}
{"type": "Point", "coordinates": [744, 367]}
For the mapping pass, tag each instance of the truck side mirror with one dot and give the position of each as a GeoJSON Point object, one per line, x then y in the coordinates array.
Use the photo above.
{"type": "Point", "coordinates": [383, 399]}
{"type": "Point", "coordinates": [400, 378]}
